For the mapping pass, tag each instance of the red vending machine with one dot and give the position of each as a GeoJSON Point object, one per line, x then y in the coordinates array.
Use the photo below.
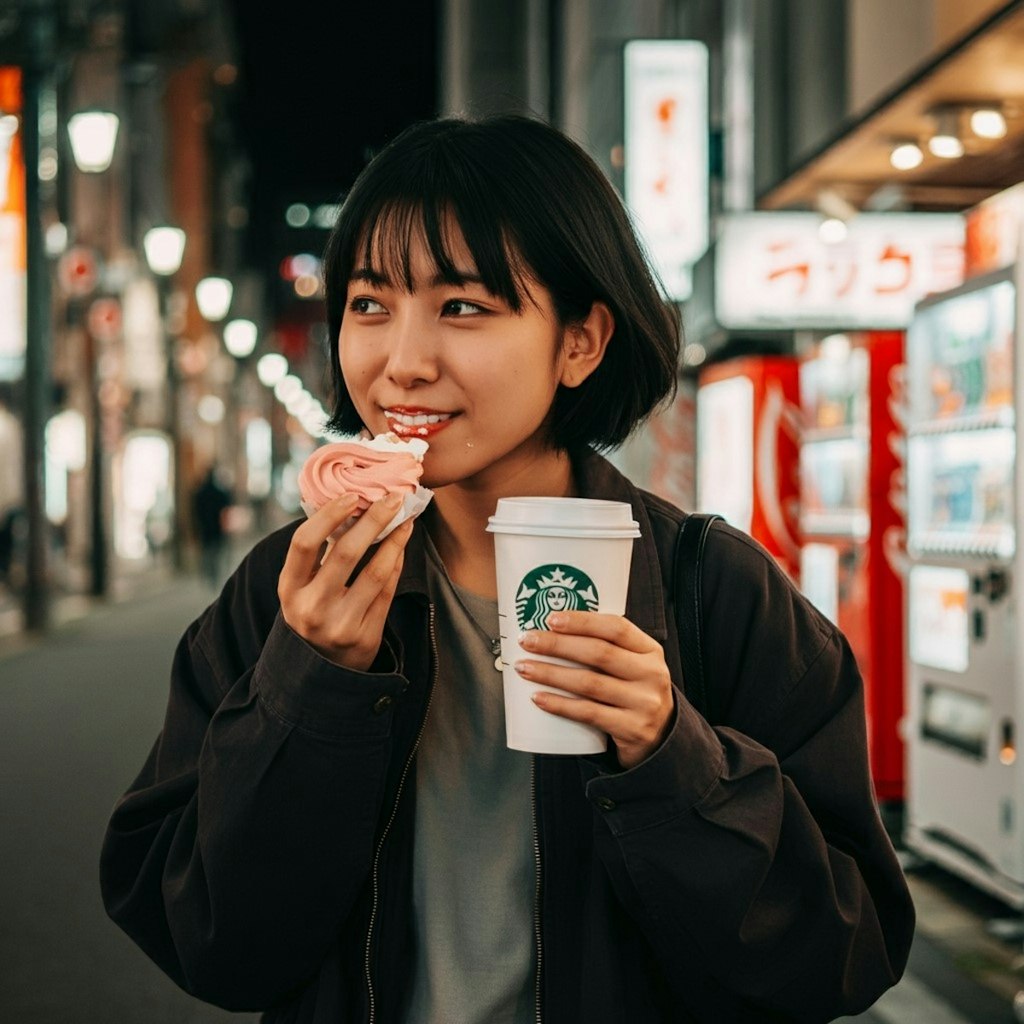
{"type": "Point", "coordinates": [748, 428]}
{"type": "Point", "coordinates": [852, 523]}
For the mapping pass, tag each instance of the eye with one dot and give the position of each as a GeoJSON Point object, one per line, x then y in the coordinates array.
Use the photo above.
{"type": "Point", "coordinates": [460, 307]}
{"type": "Point", "coordinates": [364, 305]}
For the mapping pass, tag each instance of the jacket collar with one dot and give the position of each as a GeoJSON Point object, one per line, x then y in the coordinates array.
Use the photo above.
{"type": "Point", "coordinates": [596, 477]}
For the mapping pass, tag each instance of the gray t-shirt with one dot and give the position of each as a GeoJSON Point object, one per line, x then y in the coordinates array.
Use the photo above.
{"type": "Point", "coordinates": [474, 871]}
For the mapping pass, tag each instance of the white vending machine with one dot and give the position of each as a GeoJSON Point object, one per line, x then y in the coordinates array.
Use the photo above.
{"type": "Point", "coordinates": [965, 672]}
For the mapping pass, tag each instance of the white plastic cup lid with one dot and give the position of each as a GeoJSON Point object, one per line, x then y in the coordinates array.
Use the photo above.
{"type": "Point", "coordinates": [582, 517]}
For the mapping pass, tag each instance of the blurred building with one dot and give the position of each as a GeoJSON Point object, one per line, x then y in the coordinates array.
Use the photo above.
{"type": "Point", "coordinates": [124, 386]}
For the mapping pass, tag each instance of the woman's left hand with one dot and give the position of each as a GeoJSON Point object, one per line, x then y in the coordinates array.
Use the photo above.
{"type": "Point", "coordinates": [624, 687]}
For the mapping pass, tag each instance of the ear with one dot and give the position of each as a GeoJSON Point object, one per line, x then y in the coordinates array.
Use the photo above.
{"type": "Point", "coordinates": [585, 344]}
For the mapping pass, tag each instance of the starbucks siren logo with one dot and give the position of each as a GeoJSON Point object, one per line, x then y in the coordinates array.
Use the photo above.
{"type": "Point", "coordinates": [553, 588]}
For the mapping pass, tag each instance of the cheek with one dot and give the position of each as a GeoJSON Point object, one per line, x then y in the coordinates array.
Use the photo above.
{"type": "Point", "coordinates": [356, 360]}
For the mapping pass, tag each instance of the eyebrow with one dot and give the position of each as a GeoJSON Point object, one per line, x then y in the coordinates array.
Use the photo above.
{"type": "Point", "coordinates": [375, 277]}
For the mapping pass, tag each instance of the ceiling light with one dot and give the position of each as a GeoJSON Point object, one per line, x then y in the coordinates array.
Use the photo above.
{"type": "Point", "coordinates": [945, 143]}
{"type": "Point", "coordinates": [831, 203]}
{"type": "Point", "coordinates": [905, 156]}
{"type": "Point", "coordinates": [832, 231]}
{"type": "Point", "coordinates": [988, 123]}
{"type": "Point", "coordinates": [948, 147]}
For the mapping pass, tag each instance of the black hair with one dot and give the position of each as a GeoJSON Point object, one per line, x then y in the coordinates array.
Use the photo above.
{"type": "Point", "coordinates": [529, 202]}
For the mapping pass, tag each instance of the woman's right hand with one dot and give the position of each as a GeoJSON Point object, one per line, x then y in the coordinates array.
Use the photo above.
{"type": "Point", "coordinates": [343, 623]}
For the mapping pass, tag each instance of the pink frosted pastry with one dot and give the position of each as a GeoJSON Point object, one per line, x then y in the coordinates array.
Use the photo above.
{"type": "Point", "coordinates": [369, 468]}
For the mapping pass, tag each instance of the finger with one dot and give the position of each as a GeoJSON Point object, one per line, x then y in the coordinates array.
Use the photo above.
{"type": "Point", "coordinates": [373, 576]}
{"type": "Point", "coordinates": [602, 655]}
{"type": "Point", "coordinates": [582, 682]}
{"type": "Point", "coordinates": [600, 716]}
{"type": "Point", "coordinates": [303, 555]}
{"type": "Point", "coordinates": [354, 542]}
{"type": "Point", "coordinates": [614, 628]}
{"type": "Point", "coordinates": [377, 613]}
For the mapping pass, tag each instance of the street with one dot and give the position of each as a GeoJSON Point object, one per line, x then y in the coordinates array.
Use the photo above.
{"type": "Point", "coordinates": [78, 713]}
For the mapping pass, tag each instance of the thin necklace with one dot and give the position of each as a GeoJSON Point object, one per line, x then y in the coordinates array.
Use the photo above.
{"type": "Point", "coordinates": [493, 642]}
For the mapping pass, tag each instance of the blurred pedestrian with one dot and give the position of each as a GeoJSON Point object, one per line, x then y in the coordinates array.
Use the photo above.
{"type": "Point", "coordinates": [210, 503]}
{"type": "Point", "coordinates": [12, 488]}
{"type": "Point", "coordinates": [330, 826]}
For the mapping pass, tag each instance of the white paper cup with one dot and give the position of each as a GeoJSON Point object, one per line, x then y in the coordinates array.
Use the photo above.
{"type": "Point", "coordinates": [554, 554]}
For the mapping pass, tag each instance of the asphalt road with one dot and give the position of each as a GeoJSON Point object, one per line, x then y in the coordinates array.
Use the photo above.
{"type": "Point", "coordinates": [78, 714]}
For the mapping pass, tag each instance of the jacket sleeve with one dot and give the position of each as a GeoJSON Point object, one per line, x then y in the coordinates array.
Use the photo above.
{"type": "Point", "coordinates": [755, 848]}
{"type": "Point", "coordinates": [236, 856]}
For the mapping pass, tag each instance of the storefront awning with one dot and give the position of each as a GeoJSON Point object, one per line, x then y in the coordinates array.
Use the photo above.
{"type": "Point", "coordinates": [985, 68]}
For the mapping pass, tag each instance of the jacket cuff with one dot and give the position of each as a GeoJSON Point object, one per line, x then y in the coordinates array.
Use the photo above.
{"type": "Point", "coordinates": [311, 693]}
{"type": "Point", "coordinates": [667, 784]}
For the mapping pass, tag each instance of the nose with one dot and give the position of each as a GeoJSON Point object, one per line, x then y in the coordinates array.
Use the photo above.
{"type": "Point", "coordinates": [412, 356]}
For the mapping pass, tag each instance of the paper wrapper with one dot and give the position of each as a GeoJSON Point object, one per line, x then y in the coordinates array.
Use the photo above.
{"type": "Point", "coordinates": [412, 505]}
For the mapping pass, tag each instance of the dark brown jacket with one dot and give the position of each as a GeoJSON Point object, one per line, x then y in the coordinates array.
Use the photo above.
{"type": "Point", "coordinates": [263, 856]}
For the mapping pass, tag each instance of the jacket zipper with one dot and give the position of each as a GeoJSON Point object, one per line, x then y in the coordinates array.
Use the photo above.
{"type": "Point", "coordinates": [536, 888]}
{"type": "Point", "coordinates": [394, 812]}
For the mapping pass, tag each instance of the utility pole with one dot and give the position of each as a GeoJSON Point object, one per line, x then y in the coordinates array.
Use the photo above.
{"type": "Point", "coordinates": [36, 69]}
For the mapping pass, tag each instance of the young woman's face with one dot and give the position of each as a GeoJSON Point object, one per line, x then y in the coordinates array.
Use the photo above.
{"type": "Point", "coordinates": [452, 364]}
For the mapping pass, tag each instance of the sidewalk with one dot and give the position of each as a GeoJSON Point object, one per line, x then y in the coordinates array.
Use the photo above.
{"type": "Point", "coordinates": [981, 938]}
{"type": "Point", "coordinates": [140, 583]}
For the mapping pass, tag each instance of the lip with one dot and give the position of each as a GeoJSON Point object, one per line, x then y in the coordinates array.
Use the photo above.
{"type": "Point", "coordinates": [417, 410]}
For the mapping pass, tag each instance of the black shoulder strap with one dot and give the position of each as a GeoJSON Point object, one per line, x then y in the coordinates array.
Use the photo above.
{"type": "Point", "coordinates": [693, 532]}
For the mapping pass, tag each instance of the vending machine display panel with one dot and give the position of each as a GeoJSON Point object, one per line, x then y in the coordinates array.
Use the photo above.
{"type": "Point", "coordinates": [963, 351]}
{"type": "Point", "coordinates": [938, 624]}
{"type": "Point", "coordinates": [960, 492]}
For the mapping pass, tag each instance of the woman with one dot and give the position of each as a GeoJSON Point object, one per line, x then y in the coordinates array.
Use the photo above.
{"type": "Point", "coordinates": [330, 827]}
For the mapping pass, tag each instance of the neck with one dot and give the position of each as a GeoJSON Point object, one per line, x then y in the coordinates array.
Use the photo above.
{"type": "Point", "coordinates": [457, 517]}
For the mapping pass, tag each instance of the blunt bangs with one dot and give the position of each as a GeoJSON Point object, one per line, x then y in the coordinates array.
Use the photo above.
{"type": "Point", "coordinates": [530, 205]}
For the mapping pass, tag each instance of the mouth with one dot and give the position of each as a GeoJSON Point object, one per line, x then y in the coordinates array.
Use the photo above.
{"type": "Point", "coordinates": [414, 422]}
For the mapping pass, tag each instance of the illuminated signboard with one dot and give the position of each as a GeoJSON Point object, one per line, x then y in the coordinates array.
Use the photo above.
{"type": "Point", "coordinates": [12, 228]}
{"type": "Point", "coordinates": [666, 179]}
{"type": "Point", "coordinates": [772, 270]}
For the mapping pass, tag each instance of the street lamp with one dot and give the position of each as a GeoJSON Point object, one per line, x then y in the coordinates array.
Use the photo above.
{"type": "Point", "coordinates": [213, 295]}
{"type": "Point", "coordinates": [271, 368]}
{"type": "Point", "coordinates": [240, 337]}
{"type": "Point", "coordinates": [164, 247]}
{"type": "Point", "coordinates": [93, 135]}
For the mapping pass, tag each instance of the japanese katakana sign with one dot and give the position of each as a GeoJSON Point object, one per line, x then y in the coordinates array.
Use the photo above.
{"type": "Point", "coordinates": [772, 270]}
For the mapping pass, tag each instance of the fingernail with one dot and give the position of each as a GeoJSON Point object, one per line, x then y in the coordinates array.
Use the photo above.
{"type": "Point", "coordinates": [392, 501]}
{"type": "Point", "coordinates": [528, 641]}
{"type": "Point", "coordinates": [524, 668]}
{"type": "Point", "coordinates": [555, 620]}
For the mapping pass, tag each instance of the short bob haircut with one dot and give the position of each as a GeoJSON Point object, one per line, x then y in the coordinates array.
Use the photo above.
{"type": "Point", "coordinates": [529, 203]}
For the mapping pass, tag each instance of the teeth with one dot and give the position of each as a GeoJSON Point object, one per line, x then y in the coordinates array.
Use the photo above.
{"type": "Point", "coordinates": [419, 420]}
